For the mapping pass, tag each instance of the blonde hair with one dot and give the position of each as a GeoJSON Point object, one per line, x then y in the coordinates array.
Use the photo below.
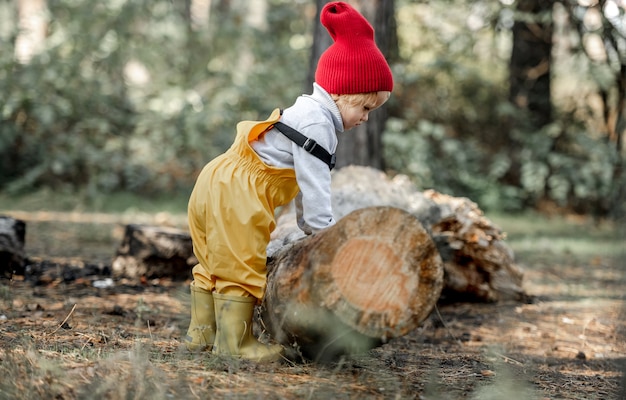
{"type": "Point", "coordinates": [371, 100]}
{"type": "Point", "coordinates": [357, 99]}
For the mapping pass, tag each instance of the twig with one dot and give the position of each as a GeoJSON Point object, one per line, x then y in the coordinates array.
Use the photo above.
{"type": "Point", "coordinates": [508, 359]}
{"type": "Point", "coordinates": [64, 321]}
{"type": "Point", "coordinates": [149, 330]}
{"type": "Point", "coordinates": [293, 364]}
{"type": "Point", "coordinates": [86, 343]}
{"type": "Point", "coordinates": [444, 324]}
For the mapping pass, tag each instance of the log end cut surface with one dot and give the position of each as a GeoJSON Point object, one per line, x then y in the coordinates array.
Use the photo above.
{"type": "Point", "coordinates": [360, 272]}
{"type": "Point", "coordinates": [379, 270]}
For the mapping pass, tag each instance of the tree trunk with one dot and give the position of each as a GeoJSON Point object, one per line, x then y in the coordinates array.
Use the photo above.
{"type": "Point", "coordinates": [149, 252]}
{"type": "Point", "coordinates": [364, 144]}
{"type": "Point", "coordinates": [321, 41]}
{"type": "Point", "coordinates": [531, 60]}
{"type": "Point", "coordinates": [373, 276]}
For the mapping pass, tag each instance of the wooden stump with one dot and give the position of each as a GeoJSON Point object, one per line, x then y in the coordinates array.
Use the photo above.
{"type": "Point", "coordinates": [373, 276]}
{"type": "Point", "coordinates": [154, 252]}
{"type": "Point", "coordinates": [12, 238]}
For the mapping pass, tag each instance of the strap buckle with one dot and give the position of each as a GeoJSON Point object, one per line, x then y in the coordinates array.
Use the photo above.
{"type": "Point", "coordinates": [309, 145]}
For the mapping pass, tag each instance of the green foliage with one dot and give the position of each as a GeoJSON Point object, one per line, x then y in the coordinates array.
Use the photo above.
{"type": "Point", "coordinates": [125, 96]}
{"type": "Point", "coordinates": [129, 96]}
{"type": "Point", "coordinates": [64, 116]}
{"type": "Point", "coordinates": [561, 163]}
{"type": "Point", "coordinates": [457, 132]}
{"type": "Point", "coordinates": [451, 133]}
{"type": "Point", "coordinates": [449, 165]}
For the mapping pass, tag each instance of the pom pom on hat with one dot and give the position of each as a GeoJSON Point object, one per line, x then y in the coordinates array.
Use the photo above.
{"type": "Point", "coordinates": [353, 63]}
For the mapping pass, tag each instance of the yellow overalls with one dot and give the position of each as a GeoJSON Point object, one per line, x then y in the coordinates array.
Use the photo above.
{"type": "Point", "coordinates": [231, 214]}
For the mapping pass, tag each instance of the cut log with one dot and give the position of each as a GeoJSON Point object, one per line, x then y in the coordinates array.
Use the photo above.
{"type": "Point", "coordinates": [478, 264]}
{"type": "Point", "coordinates": [373, 276]}
{"type": "Point", "coordinates": [53, 271]}
{"type": "Point", "coordinates": [154, 252]}
{"type": "Point", "coordinates": [12, 238]}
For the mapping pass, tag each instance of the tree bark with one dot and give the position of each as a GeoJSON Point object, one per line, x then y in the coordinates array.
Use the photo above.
{"type": "Point", "coordinates": [479, 265]}
{"type": "Point", "coordinates": [373, 276]}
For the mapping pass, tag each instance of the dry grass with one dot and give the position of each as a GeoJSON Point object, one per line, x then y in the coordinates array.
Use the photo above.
{"type": "Point", "coordinates": [74, 341]}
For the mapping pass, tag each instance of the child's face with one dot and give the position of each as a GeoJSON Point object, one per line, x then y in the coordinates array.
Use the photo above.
{"type": "Point", "coordinates": [355, 109]}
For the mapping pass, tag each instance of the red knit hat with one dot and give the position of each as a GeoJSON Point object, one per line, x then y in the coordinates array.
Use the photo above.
{"type": "Point", "coordinates": [353, 63]}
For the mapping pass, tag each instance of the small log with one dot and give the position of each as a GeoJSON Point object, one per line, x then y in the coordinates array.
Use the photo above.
{"type": "Point", "coordinates": [154, 252]}
{"type": "Point", "coordinates": [12, 238]}
{"type": "Point", "coordinates": [373, 276]}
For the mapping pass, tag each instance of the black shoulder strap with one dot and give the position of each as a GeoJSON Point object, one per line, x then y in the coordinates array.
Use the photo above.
{"type": "Point", "coordinates": [307, 144]}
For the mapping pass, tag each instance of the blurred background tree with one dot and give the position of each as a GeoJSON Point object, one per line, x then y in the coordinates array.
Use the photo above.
{"type": "Point", "coordinates": [515, 104]}
{"type": "Point", "coordinates": [363, 145]}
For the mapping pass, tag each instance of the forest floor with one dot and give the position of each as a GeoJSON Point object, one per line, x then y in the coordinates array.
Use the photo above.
{"type": "Point", "coordinates": [76, 340]}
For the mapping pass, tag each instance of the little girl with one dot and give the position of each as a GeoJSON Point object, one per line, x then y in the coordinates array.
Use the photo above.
{"type": "Point", "coordinates": [231, 208]}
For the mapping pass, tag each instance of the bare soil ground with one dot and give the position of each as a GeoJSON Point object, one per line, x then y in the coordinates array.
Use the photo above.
{"type": "Point", "coordinates": [71, 340]}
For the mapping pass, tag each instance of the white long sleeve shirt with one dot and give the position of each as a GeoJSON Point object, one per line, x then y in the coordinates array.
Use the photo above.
{"type": "Point", "coordinates": [317, 117]}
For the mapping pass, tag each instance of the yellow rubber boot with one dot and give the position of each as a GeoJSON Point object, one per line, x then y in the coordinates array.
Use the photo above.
{"type": "Point", "coordinates": [233, 315]}
{"type": "Point", "coordinates": [201, 332]}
